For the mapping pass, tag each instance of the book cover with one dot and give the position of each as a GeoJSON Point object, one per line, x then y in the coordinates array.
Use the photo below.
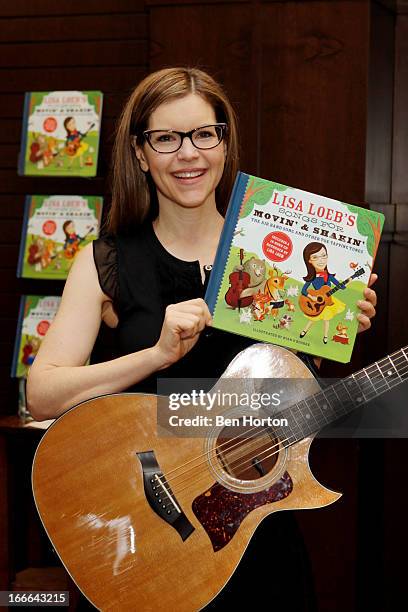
{"type": "Point", "coordinates": [55, 228]}
{"type": "Point", "coordinates": [60, 133]}
{"type": "Point", "coordinates": [35, 317]}
{"type": "Point", "coordinates": [291, 266]}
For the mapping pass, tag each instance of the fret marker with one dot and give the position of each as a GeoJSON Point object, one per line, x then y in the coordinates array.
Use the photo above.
{"type": "Point", "coordinates": [359, 399]}
{"type": "Point", "coordinates": [389, 372]}
{"type": "Point", "coordinates": [324, 406]}
{"type": "Point", "coordinates": [350, 382]}
{"type": "Point", "coordinates": [308, 416]}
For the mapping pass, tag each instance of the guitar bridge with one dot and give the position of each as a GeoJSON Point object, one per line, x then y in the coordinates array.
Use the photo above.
{"type": "Point", "coordinates": [160, 496]}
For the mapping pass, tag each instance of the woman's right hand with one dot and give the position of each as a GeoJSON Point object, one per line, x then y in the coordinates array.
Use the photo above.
{"type": "Point", "coordinates": [182, 325]}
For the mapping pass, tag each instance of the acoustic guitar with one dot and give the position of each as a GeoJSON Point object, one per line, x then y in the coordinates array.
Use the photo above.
{"type": "Point", "coordinates": [313, 307]}
{"type": "Point", "coordinates": [148, 522]}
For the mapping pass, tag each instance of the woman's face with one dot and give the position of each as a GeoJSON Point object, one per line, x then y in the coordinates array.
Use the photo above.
{"type": "Point", "coordinates": [319, 260]}
{"type": "Point", "coordinates": [171, 172]}
{"type": "Point", "coordinates": [71, 125]}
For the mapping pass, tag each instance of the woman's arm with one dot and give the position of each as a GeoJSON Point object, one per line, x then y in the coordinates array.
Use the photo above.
{"type": "Point", "coordinates": [305, 288]}
{"type": "Point", "coordinates": [58, 378]}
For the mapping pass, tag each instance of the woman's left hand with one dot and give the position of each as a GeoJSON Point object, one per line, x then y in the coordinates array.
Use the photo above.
{"type": "Point", "coordinates": [367, 306]}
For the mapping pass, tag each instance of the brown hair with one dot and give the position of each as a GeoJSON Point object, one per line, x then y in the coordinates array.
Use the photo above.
{"type": "Point", "coordinates": [66, 121]}
{"type": "Point", "coordinates": [310, 249]}
{"type": "Point", "coordinates": [134, 196]}
{"type": "Point", "coordinates": [65, 225]}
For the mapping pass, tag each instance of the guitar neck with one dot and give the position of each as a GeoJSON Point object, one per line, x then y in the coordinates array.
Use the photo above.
{"type": "Point", "coordinates": [323, 408]}
{"type": "Point", "coordinates": [342, 284]}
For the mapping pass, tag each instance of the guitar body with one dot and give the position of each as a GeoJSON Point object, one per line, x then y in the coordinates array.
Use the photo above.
{"type": "Point", "coordinates": [88, 480]}
{"type": "Point", "coordinates": [313, 308]}
{"type": "Point", "coordinates": [71, 250]}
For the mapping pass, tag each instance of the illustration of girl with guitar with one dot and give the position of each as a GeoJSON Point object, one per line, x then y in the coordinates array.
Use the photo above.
{"type": "Point", "coordinates": [313, 299]}
{"type": "Point", "coordinates": [72, 239]}
{"type": "Point", "coordinates": [74, 147]}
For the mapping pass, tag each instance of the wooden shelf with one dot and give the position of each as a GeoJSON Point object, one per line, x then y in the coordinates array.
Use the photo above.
{"type": "Point", "coordinates": [15, 423]}
{"type": "Point", "coordinates": [41, 579]}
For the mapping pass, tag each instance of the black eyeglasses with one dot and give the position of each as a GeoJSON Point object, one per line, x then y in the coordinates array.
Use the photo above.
{"type": "Point", "coordinates": [170, 141]}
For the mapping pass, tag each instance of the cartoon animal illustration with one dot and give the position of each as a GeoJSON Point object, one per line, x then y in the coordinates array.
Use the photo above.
{"type": "Point", "coordinates": [353, 265]}
{"type": "Point", "coordinates": [256, 268]}
{"type": "Point", "coordinates": [41, 252]}
{"type": "Point", "coordinates": [274, 288]}
{"type": "Point", "coordinates": [341, 334]}
{"type": "Point", "coordinates": [42, 151]}
{"type": "Point", "coordinates": [285, 322]}
{"type": "Point", "coordinates": [260, 306]}
{"type": "Point", "coordinates": [290, 305]}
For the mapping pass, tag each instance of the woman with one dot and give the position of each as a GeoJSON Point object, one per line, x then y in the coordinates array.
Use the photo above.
{"type": "Point", "coordinates": [174, 163]}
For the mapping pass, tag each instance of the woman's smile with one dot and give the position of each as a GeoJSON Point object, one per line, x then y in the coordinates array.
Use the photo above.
{"type": "Point", "coordinates": [189, 177]}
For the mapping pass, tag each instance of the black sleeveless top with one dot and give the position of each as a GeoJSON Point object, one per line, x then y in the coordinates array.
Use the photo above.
{"type": "Point", "coordinates": [142, 278]}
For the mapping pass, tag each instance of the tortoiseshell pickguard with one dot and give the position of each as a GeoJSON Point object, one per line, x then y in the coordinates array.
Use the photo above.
{"type": "Point", "coordinates": [221, 511]}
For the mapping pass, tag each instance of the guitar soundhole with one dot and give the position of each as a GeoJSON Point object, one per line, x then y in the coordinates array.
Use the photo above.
{"type": "Point", "coordinates": [247, 453]}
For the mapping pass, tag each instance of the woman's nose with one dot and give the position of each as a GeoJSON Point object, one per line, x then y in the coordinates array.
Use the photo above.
{"type": "Point", "coordinates": [187, 149]}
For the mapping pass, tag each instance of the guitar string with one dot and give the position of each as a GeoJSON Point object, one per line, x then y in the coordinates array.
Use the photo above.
{"type": "Point", "coordinates": [242, 443]}
{"type": "Point", "coordinates": [284, 447]}
{"type": "Point", "coordinates": [385, 387]}
{"type": "Point", "coordinates": [256, 428]}
{"type": "Point", "coordinates": [204, 474]}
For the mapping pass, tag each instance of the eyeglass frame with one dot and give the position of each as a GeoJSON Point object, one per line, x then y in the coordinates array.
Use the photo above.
{"type": "Point", "coordinates": [313, 258]}
{"type": "Point", "coordinates": [189, 134]}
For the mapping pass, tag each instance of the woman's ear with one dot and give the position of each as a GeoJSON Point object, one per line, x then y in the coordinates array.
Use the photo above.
{"type": "Point", "coordinates": [144, 166]}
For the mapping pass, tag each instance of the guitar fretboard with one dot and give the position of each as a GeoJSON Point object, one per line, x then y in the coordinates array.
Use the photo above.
{"type": "Point", "coordinates": [315, 412]}
{"type": "Point", "coordinates": [355, 275]}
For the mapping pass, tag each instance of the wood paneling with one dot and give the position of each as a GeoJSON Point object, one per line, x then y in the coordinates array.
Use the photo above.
{"type": "Point", "coordinates": [44, 8]}
{"type": "Point", "coordinates": [314, 82]}
{"type": "Point", "coordinates": [71, 77]}
{"type": "Point", "coordinates": [400, 153]}
{"type": "Point", "coordinates": [44, 55]}
{"type": "Point", "coordinates": [397, 320]}
{"type": "Point", "coordinates": [47, 46]}
{"type": "Point", "coordinates": [73, 29]}
{"type": "Point", "coordinates": [228, 57]}
{"type": "Point", "coordinates": [380, 106]}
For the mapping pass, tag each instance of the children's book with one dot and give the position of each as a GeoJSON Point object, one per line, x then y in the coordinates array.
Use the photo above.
{"type": "Point", "coordinates": [55, 229]}
{"type": "Point", "coordinates": [35, 317]}
{"type": "Point", "coordinates": [291, 266]}
{"type": "Point", "coordinates": [60, 133]}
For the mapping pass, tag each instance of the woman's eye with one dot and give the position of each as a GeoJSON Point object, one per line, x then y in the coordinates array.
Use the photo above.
{"type": "Point", "coordinates": [203, 134]}
{"type": "Point", "coordinates": [164, 137]}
